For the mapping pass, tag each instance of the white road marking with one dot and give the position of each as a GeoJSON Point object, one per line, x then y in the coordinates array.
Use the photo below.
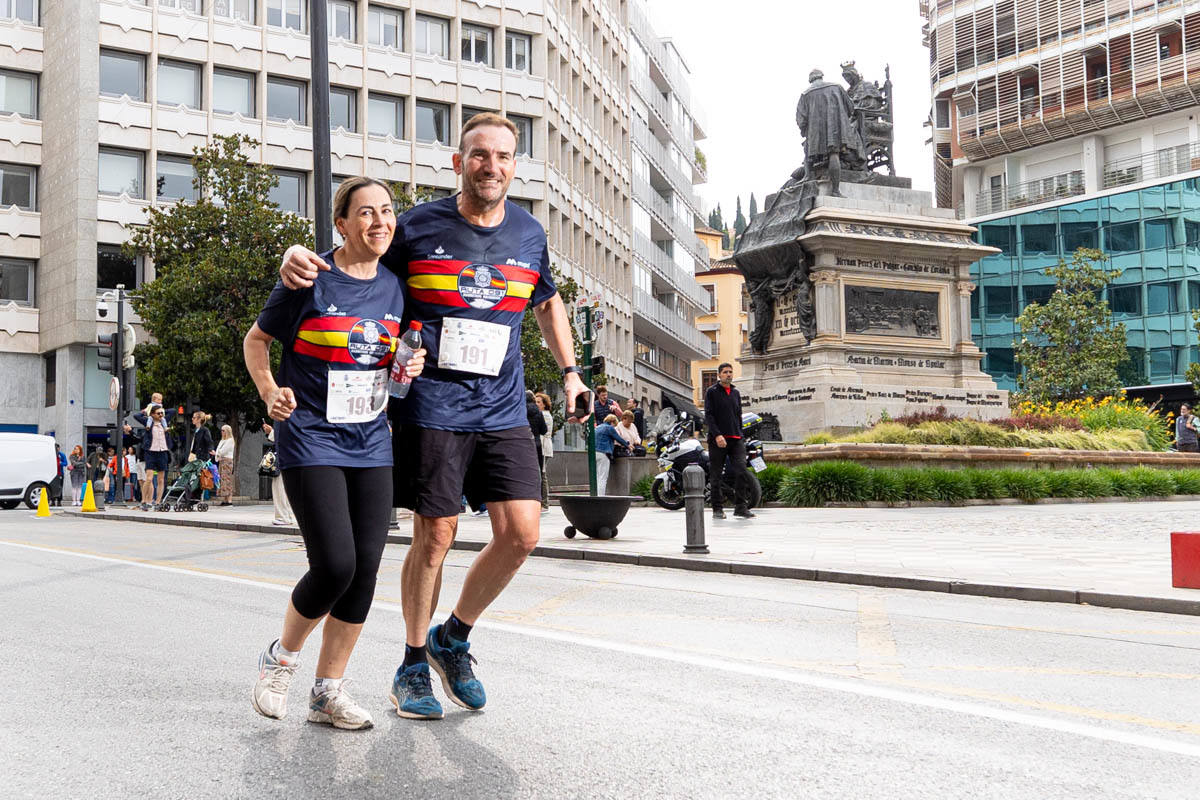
{"type": "Point", "coordinates": [740, 668]}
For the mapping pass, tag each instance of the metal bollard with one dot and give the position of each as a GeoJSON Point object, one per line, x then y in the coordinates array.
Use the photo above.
{"type": "Point", "coordinates": [693, 502]}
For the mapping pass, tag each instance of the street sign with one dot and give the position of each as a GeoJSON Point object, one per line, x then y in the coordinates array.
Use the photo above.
{"type": "Point", "coordinates": [114, 393]}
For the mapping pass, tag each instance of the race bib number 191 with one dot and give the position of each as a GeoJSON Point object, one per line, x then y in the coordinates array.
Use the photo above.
{"type": "Point", "coordinates": [355, 395]}
{"type": "Point", "coordinates": [470, 345]}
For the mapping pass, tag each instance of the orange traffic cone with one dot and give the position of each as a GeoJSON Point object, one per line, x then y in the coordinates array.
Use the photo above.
{"type": "Point", "coordinates": [44, 504]}
{"type": "Point", "coordinates": [89, 500]}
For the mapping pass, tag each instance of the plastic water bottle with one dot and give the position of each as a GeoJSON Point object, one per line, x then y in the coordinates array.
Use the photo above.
{"type": "Point", "coordinates": [409, 343]}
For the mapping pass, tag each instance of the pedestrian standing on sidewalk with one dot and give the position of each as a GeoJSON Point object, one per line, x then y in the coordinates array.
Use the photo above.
{"type": "Point", "coordinates": [56, 486]}
{"type": "Point", "coordinates": [283, 509]}
{"type": "Point", "coordinates": [202, 440]}
{"type": "Point", "coordinates": [1185, 430]}
{"type": "Point", "coordinates": [607, 440]}
{"type": "Point", "coordinates": [132, 488]}
{"type": "Point", "coordinates": [543, 402]}
{"type": "Point", "coordinates": [723, 417]}
{"type": "Point", "coordinates": [333, 444]}
{"type": "Point", "coordinates": [156, 444]}
{"type": "Point", "coordinates": [77, 465]}
{"type": "Point", "coordinates": [225, 461]}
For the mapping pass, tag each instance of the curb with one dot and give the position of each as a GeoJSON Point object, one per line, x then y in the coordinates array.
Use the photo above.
{"type": "Point", "coordinates": [700, 563]}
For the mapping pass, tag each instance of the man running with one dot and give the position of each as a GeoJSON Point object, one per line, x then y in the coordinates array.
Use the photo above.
{"type": "Point", "coordinates": [471, 263]}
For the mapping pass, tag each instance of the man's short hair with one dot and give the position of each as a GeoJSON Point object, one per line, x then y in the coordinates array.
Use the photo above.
{"type": "Point", "coordinates": [1185, 405]}
{"type": "Point", "coordinates": [635, 402]}
{"type": "Point", "coordinates": [723, 366]}
{"type": "Point", "coordinates": [486, 118]}
{"type": "Point", "coordinates": [601, 388]}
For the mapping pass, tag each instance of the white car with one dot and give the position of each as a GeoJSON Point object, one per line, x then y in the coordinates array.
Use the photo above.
{"type": "Point", "coordinates": [28, 464]}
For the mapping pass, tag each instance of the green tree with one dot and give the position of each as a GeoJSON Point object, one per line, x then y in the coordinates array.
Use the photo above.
{"type": "Point", "coordinates": [215, 262]}
{"type": "Point", "coordinates": [753, 207]}
{"type": "Point", "coordinates": [739, 222]}
{"type": "Point", "coordinates": [542, 373]}
{"type": "Point", "coordinates": [1069, 346]}
{"type": "Point", "coordinates": [1193, 370]}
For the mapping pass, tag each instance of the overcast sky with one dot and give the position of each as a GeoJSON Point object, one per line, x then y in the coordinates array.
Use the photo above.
{"type": "Point", "coordinates": [750, 61]}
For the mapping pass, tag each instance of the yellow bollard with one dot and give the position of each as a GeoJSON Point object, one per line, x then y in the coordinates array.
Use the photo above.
{"type": "Point", "coordinates": [89, 500]}
{"type": "Point", "coordinates": [44, 503]}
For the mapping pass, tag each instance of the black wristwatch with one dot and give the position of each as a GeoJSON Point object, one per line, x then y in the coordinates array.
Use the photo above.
{"type": "Point", "coordinates": [568, 370]}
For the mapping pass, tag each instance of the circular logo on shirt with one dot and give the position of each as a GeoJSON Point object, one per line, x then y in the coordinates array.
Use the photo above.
{"type": "Point", "coordinates": [369, 342]}
{"type": "Point", "coordinates": [482, 285]}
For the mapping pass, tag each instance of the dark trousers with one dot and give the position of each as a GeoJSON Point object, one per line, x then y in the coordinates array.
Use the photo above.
{"type": "Point", "coordinates": [735, 452]}
{"type": "Point", "coordinates": [1187, 447]}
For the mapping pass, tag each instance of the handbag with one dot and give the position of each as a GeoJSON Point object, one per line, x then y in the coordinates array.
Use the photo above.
{"type": "Point", "coordinates": [206, 480]}
{"type": "Point", "coordinates": [268, 466]}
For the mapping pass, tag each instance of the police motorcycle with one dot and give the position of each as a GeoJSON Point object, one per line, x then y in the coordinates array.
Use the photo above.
{"type": "Point", "coordinates": [678, 447]}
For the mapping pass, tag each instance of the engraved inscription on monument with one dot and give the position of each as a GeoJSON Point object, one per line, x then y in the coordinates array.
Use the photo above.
{"type": "Point", "coordinates": [878, 311]}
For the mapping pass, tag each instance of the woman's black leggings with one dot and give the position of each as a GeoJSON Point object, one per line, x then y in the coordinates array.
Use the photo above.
{"type": "Point", "coordinates": [343, 514]}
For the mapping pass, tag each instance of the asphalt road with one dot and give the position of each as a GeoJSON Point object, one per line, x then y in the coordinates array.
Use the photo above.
{"type": "Point", "coordinates": [129, 652]}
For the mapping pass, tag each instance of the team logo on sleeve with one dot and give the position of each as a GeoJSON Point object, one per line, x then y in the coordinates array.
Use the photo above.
{"type": "Point", "coordinates": [482, 285]}
{"type": "Point", "coordinates": [369, 342]}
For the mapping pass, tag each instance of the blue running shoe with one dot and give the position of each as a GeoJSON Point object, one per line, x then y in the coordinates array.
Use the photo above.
{"type": "Point", "coordinates": [453, 664]}
{"type": "Point", "coordinates": [412, 694]}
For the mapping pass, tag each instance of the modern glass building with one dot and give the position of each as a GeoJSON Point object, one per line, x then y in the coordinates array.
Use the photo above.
{"type": "Point", "coordinates": [1151, 234]}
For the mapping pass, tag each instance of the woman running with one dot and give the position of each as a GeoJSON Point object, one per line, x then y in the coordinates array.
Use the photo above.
{"type": "Point", "coordinates": [333, 444]}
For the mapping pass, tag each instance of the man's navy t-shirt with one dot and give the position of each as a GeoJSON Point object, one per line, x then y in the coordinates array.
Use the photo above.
{"type": "Point", "coordinates": [339, 323]}
{"type": "Point", "coordinates": [455, 269]}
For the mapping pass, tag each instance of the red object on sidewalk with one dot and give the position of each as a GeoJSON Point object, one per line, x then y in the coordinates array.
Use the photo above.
{"type": "Point", "coordinates": [1185, 560]}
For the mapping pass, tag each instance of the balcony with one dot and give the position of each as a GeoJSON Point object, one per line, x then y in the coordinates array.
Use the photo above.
{"type": "Point", "coordinates": [665, 267]}
{"type": "Point", "coordinates": [660, 157]}
{"type": "Point", "coordinates": [669, 322]}
{"type": "Point", "coordinates": [682, 230]}
{"type": "Point", "coordinates": [1043, 190]}
{"type": "Point", "coordinates": [1149, 166]}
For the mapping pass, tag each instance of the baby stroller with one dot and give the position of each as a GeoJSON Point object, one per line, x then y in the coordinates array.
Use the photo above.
{"type": "Point", "coordinates": [181, 495]}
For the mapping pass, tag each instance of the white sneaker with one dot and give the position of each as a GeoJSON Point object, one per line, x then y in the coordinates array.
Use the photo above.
{"type": "Point", "coordinates": [337, 708]}
{"type": "Point", "coordinates": [282, 523]}
{"type": "Point", "coordinates": [269, 697]}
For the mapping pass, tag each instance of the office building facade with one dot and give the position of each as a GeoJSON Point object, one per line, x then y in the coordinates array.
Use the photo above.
{"type": "Point", "coordinates": [1067, 125]}
{"type": "Point", "coordinates": [103, 101]}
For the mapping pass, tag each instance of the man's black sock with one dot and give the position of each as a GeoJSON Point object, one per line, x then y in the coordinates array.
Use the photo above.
{"type": "Point", "coordinates": [414, 655]}
{"type": "Point", "coordinates": [455, 629]}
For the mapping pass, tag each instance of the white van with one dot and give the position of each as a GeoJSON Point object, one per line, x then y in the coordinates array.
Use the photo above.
{"type": "Point", "coordinates": [28, 464]}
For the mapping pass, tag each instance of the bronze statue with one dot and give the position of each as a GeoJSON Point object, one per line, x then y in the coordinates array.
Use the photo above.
{"type": "Point", "coordinates": [874, 117]}
{"type": "Point", "coordinates": [827, 120]}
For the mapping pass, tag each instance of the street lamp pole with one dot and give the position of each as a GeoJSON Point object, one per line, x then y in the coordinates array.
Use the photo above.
{"type": "Point", "coordinates": [318, 36]}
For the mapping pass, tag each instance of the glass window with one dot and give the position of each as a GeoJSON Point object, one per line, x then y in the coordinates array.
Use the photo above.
{"type": "Point", "coordinates": [1125, 300]}
{"type": "Point", "coordinates": [122, 73]}
{"type": "Point", "coordinates": [1193, 295]}
{"type": "Point", "coordinates": [1001, 361]}
{"type": "Point", "coordinates": [1079, 234]}
{"type": "Point", "coordinates": [524, 135]}
{"type": "Point", "coordinates": [1162, 298]}
{"type": "Point", "coordinates": [173, 180]}
{"type": "Point", "coordinates": [477, 44]}
{"type": "Point", "coordinates": [1037, 239]}
{"type": "Point", "coordinates": [1000, 301]}
{"type": "Point", "coordinates": [432, 36]}
{"type": "Point", "coordinates": [710, 290]}
{"type": "Point", "coordinates": [997, 236]}
{"type": "Point", "coordinates": [235, 9]}
{"type": "Point", "coordinates": [343, 106]}
{"type": "Point", "coordinates": [191, 6]}
{"type": "Point", "coordinates": [470, 111]}
{"type": "Point", "coordinates": [291, 193]}
{"type": "Point", "coordinates": [975, 305]}
{"type": "Point", "coordinates": [18, 186]}
{"type": "Point", "coordinates": [1160, 234]}
{"type": "Point", "coordinates": [24, 10]}
{"type": "Point", "coordinates": [522, 203]}
{"type": "Point", "coordinates": [287, 14]}
{"type": "Point", "coordinates": [385, 27]}
{"type": "Point", "coordinates": [517, 47]}
{"type": "Point", "coordinates": [385, 115]}
{"type": "Point", "coordinates": [18, 93]}
{"type": "Point", "coordinates": [122, 172]}
{"type": "Point", "coordinates": [285, 100]}
{"type": "Point", "coordinates": [233, 92]}
{"type": "Point", "coordinates": [341, 19]}
{"type": "Point", "coordinates": [114, 267]}
{"type": "Point", "coordinates": [433, 122]}
{"type": "Point", "coordinates": [179, 84]}
{"type": "Point", "coordinates": [1162, 363]}
{"type": "Point", "coordinates": [1122, 238]}
{"type": "Point", "coordinates": [16, 281]}
{"type": "Point", "coordinates": [1038, 293]}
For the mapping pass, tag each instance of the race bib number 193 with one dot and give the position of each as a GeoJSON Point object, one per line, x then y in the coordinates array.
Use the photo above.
{"type": "Point", "coordinates": [355, 395]}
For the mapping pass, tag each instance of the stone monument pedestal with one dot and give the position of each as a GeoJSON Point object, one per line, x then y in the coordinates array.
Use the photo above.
{"type": "Point", "coordinates": [883, 327]}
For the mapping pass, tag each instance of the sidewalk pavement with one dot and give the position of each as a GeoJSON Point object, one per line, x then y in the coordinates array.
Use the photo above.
{"type": "Point", "coordinates": [1105, 554]}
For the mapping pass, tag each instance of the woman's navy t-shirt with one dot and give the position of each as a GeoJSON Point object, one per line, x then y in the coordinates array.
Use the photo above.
{"type": "Point", "coordinates": [339, 323]}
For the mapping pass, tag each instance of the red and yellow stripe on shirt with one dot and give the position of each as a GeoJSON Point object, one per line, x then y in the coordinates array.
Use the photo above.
{"type": "Point", "coordinates": [437, 282]}
{"type": "Point", "coordinates": [328, 338]}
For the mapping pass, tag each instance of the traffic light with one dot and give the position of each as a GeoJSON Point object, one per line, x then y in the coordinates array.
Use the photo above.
{"type": "Point", "coordinates": [109, 343]}
{"type": "Point", "coordinates": [598, 365]}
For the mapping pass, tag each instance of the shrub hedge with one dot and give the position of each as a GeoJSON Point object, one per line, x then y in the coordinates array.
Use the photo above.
{"type": "Point", "coordinates": [824, 482]}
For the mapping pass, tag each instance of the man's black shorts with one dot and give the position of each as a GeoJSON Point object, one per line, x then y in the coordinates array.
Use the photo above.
{"type": "Point", "coordinates": [434, 469]}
